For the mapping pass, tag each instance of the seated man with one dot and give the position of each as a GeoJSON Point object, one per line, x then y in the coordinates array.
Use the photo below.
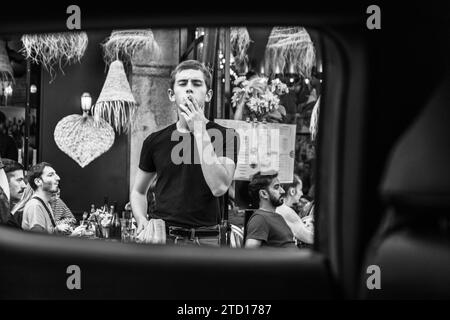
{"type": "Point", "coordinates": [38, 215]}
{"type": "Point", "coordinates": [265, 227]}
{"type": "Point", "coordinates": [301, 231]}
{"type": "Point", "coordinates": [4, 195]}
{"type": "Point", "coordinates": [16, 182]}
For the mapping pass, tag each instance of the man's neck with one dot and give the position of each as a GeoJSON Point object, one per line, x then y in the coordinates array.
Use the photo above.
{"type": "Point", "coordinates": [13, 203]}
{"type": "Point", "coordinates": [44, 195]}
{"type": "Point", "coordinates": [267, 207]}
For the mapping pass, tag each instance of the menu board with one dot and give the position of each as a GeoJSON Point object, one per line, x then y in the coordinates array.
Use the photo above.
{"type": "Point", "coordinates": [264, 147]}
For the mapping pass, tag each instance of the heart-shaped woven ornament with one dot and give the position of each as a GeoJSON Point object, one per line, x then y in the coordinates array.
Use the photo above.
{"type": "Point", "coordinates": [82, 138]}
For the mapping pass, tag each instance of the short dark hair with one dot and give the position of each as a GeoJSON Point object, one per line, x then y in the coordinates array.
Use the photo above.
{"type": "Point", "coordinates": [292, 184]}
{"type": "Point", "coordinates": [36, 172]}
{"type": "Point", "coordinates": [11, 165]}
{"type": "Point", "coordinates": [191, 65]}
{"type": "Point", "coordinates": [259, 181]}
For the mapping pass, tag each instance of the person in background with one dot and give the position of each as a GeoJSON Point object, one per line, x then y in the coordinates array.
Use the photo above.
{"type": "Point", "coordinates": [8, 147]}
{"type": "Point", "coordinates": [37, 214]}
{"type": "Point", "coordinates": [266, 228]}
{"type": "Point", "coordinates": [62, 213]}
{"type": "Point", "coordinates": [286, 210]}
{"type": "Point", "coordinates": [16, 181]}
{"type": "Point", "coordinates": [17, 210]}
{"type": "Point", "coordinates": [4, 195]}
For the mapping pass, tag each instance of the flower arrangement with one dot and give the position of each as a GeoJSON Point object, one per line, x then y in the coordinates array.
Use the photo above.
{"type": "Point", "coordinates": [259, 95]}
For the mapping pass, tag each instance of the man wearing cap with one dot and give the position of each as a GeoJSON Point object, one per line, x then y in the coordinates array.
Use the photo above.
{"type": "Point", "coordinates": [194, 160]}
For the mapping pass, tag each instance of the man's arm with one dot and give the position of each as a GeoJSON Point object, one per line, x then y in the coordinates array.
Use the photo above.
{"type": "Point", "coordinates": [217, 171]}
{"type": "Point", "coordinates": [257, 232]}
{"type": "Point", "coordinates": [37, 228]}
{"type": "Point", "coordinates": [36, 217]}
{"type": "Point", "coordinates": [253, 243]}
{"type": "Point", "coordinates": [138, 197]}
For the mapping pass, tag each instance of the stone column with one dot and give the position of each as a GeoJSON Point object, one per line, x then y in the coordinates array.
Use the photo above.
{"type": "Point", "coordinates": [149, 81]}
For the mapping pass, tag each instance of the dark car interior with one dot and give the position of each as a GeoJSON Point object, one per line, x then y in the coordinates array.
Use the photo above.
{"type": "Point", "coordinates": [383, 181]}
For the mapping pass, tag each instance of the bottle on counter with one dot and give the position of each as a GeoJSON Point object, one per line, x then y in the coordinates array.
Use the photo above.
{"type": "Point", "coordinates": [92, 209]}
{"type": "Point", "coordinates": [105, 204]}
{"type": "Point", "coordinates": [117, 225]}
{"type": "Point", "coordinates": [112, 221]}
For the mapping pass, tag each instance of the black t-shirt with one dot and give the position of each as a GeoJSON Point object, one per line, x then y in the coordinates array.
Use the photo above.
{"type": "Point", "coordinates": [271, 229]}
{"type": "Point", "coordinates": [182, 196]}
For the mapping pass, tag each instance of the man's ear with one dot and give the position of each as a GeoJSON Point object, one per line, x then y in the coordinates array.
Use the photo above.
{"type": "Point", "coordinates": [209, 95]}
{"type": "Point", "coordinates": [37, 181]}
{"type": "Point", "coordinates": [263, 194]}
{"type": "Point", "coordinates": [171, 95]}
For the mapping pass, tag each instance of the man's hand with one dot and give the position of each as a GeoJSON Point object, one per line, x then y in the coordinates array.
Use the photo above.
{"type": "Point", "coordinates": [62, 228]}
{"type": "Point", "coordinates": [193, 114]}
{"type": "Point", "coordinates": [141, 224]}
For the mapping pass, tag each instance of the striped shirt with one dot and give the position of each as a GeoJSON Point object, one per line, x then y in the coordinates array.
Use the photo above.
{"type": "Point", "coordinates": [61, 212]}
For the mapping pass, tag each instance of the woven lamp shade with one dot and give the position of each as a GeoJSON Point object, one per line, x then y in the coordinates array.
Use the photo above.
{"type": "Point", "coordinates": [55, 49]}
{"type": "Point", "coordinates": [82, 138]}
{"type": "Point", "coordinates": [116, 103]}
{"type": "Point", "coordinates": [290, 48]}
{"type": "Point", "coordinates": [123, 44]}
{"type": "Point", "coordinates": [240, 41]}
{"type": "Point", "coordinates": [6, 70]}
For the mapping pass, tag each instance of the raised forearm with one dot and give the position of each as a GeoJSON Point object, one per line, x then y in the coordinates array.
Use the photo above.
{"type": "Point", "coordinates": [218, 174]}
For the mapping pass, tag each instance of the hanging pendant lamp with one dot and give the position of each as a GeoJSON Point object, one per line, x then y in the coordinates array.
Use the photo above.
{"type": "Point", "coordinates": [289, 48]}
{"type": "Point", "coordinates": [116, 103]}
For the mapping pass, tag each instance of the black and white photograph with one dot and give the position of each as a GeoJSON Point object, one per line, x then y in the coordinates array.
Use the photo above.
{"type": "Point", "coordinates": [225, 154]}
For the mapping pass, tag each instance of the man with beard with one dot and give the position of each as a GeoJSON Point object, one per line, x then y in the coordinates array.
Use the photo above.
{"type": "Point", "coordinates": [37, 214]}
{"type": "Point", "coordinates": [16, 182]}
{"type": "Point", "coordinates": [265, 227]}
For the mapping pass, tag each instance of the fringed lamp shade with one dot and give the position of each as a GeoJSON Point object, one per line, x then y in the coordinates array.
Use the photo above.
{"type": "Point", "coordinates": [123, 44]}
{"type": "Point", "coordinates": [239, 42]}
{"type": "Point", "coordinates": [82, 138]}
{"type": "Point", "coordinates": [54, 49]}
{"type": "Point", "coordinates": [289, 48]}
{"type": "Point", "coordinates": [6, 70]}
{"type": "Point", "coordinates": [116, 103]}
